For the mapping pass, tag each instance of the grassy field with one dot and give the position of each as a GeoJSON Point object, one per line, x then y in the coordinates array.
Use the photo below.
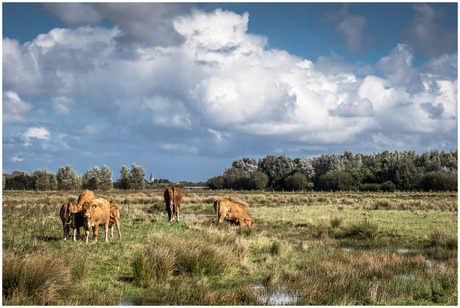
{"type": "Point", "coordinates": [308, 248]}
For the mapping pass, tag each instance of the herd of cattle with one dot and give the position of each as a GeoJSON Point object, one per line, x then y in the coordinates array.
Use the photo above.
{"type": "Point", "coordinates": [91, 212]}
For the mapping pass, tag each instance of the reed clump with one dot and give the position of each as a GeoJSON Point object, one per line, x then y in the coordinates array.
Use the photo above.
{"type": "Point", "coordinates": [35, 278]}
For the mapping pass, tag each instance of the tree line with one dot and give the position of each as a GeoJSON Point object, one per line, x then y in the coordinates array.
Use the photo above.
{"type": "Point", "coordinates": [67, 179]}
{"type": "Point", "coordinates": [385, 171]}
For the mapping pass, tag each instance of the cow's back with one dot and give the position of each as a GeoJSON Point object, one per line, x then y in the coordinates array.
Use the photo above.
{"type": "Point", "coordinates": [177, 195]}
{"type": "Point", "coordinates": [87, 195]}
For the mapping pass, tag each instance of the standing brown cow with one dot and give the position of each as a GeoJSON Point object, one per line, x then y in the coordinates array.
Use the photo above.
{"type": "Point", "coordinates": [71, 216]}
{"type": "Point", "coordinates": [96, 213]}
{"type": "Point", "coordinates": [234, 212]}
{"type": "Point", "coordinates": [76, 220]}
{"type": "Point", "coordinates": [114, 218]}
{"type": "Point", "coordinates": [87, 195]}
{"type": "Point", "coordinates": [173, 198]}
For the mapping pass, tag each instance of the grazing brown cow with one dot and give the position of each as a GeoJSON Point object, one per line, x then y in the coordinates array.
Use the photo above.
{"type": "Point", "coordinates": [173, 198]}
{"type": "Point", "coordinates": [96, 213]}
{"type": "Point", "coordinates": [87, 195]}
{"type": "Point", "coordinates": [114, 218]}
{"type": "Point", "coordinates": [66, 218]}
{"type": "Point", "coordinates": [234, 212]}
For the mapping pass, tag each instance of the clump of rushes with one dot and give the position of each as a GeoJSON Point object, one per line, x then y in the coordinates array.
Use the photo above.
{"type": "Point", "coordinates": [336, 221]}
{"type": "Point", "coordinates": [35, 278]}
{"type": "Point", "coordinates": [439, 238]}
{"type": "Point", "coordinates": [366, 229]}
{"type": "Point", "coordinates": [166, 257]}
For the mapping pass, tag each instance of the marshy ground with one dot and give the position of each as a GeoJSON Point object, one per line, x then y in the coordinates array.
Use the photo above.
{"type": "Point", "coordinates": [306, 248]}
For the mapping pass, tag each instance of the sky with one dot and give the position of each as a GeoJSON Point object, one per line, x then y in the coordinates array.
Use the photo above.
{"type": "Point", "coordinates": [184, 89]}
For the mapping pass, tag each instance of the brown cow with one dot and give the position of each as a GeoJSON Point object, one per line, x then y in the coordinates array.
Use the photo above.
{"type": "Point", "coordinates": [114, 218]}
{"type": "Point", "coordinates": [87, 195]}
{"type": "Point", "coordinates": [173, 198]}
{"type": "Point", "coordinates": [96, 213]}
{"type": "Point", "coordinates": [234, 212]}
{"type": "Point", "coordinates": [66, 218]}
{"type": "Point", "coordinates": [71, 216]}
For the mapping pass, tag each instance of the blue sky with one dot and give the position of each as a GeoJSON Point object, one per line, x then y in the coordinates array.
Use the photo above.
{"type": "Point", "coordinates": [184, 89]}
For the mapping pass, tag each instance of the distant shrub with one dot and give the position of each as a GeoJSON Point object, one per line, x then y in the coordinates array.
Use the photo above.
{"type": "Point", "coordinates": [439, 181]}
{"type": "Point", "coordinates": [297, 181]}
{"type": "Point", "coordinates": [388, 186]}
{"type": "Point", "coordinates": [216, 182]}
{"type": "Point", "coordinates": [336, 180]}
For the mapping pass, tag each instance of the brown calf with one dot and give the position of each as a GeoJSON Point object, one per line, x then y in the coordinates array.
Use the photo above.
{"type": "Point", "coordinates": [114, 218]}
{"type": "Point", "coordinates": [234, 212]}
{"type": "Point", "coordinates": [173, 198]}
{"type": "Point", "coordinates": [96, 213]}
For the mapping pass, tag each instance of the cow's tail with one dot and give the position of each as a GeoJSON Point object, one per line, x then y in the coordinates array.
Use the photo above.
{"type": "Point", "coordinates": [173, 203]}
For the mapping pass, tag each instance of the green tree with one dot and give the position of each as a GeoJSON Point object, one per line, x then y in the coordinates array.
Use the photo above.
{"type": "Point", "coordinates": [276, 168]}
{"type": "Point", "coordinates": [105, 180]}
{"type": "Point", "coordinates": [18, 181]}
{"type": "Point", "coordinates": [124, 179]}
{"type": "Point", "coordinates": [258, 181]}
{"type": "Point", "coordinates": [439, 181]}
{"type": "Point", "coordinates": [336, 180]}
{"type": "Point", "coordinates": [68, 179]}
{"type": "Point", "coordinates": [91, 179]}
{"type": "Point", "coordinates": [297, 181]}
{"type": "Point", "coordinates": [43, 180]}
{"type": "Point", "coordinates": [136, 177]}
{"type": "Point", "coordinates": [235, 178]}
{"type": "Point", "coordinates": [216, 182]}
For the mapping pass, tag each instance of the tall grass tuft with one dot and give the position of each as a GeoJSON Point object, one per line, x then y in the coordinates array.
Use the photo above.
{"type": "Point", "coordinates": [365, 230]}
{"type": "Point", "coordinates": [35, 279]}
{"type": "Point", "coordinates": [439, 238]}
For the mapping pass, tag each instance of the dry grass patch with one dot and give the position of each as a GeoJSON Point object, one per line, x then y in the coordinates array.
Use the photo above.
{"type": "Point", "coordinates": [35, 278]}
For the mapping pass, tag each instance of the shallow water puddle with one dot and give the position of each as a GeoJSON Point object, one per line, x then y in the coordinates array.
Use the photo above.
{"type": "Point", "coordinates": [125, 302]}
{"type": "Point", "coordinates": [193, 215]}
{"type": "Point", "coordinates": [403, 250]}
{"type": "Point", "coordinates": [278, 297]}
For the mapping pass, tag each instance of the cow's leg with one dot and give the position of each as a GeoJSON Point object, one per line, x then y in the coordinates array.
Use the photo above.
{"type": "Point", "coordinates": [75, 234]}
{"type": "Point", "coordinates": [106, 229]}
{"type": "Point", "coordinates": [168, 208]}
{"type": "Point", "coordinates": [177, 211]}
{"type": "Point", "coordinates": [95, 228]}
{"type": "Point", "coordinates": [118, 228]}
{"type": "Point", "coordinates": [86, 235]}
{"type": "Point", "coordinates": [64, 229]}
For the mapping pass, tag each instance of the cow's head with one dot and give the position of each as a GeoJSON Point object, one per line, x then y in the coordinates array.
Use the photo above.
{"type": "Point", "coordinates": [87, 208]}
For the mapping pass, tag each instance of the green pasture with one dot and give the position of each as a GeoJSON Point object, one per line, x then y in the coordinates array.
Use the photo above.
{"type": "Point", "coordinates": [306, 248]}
